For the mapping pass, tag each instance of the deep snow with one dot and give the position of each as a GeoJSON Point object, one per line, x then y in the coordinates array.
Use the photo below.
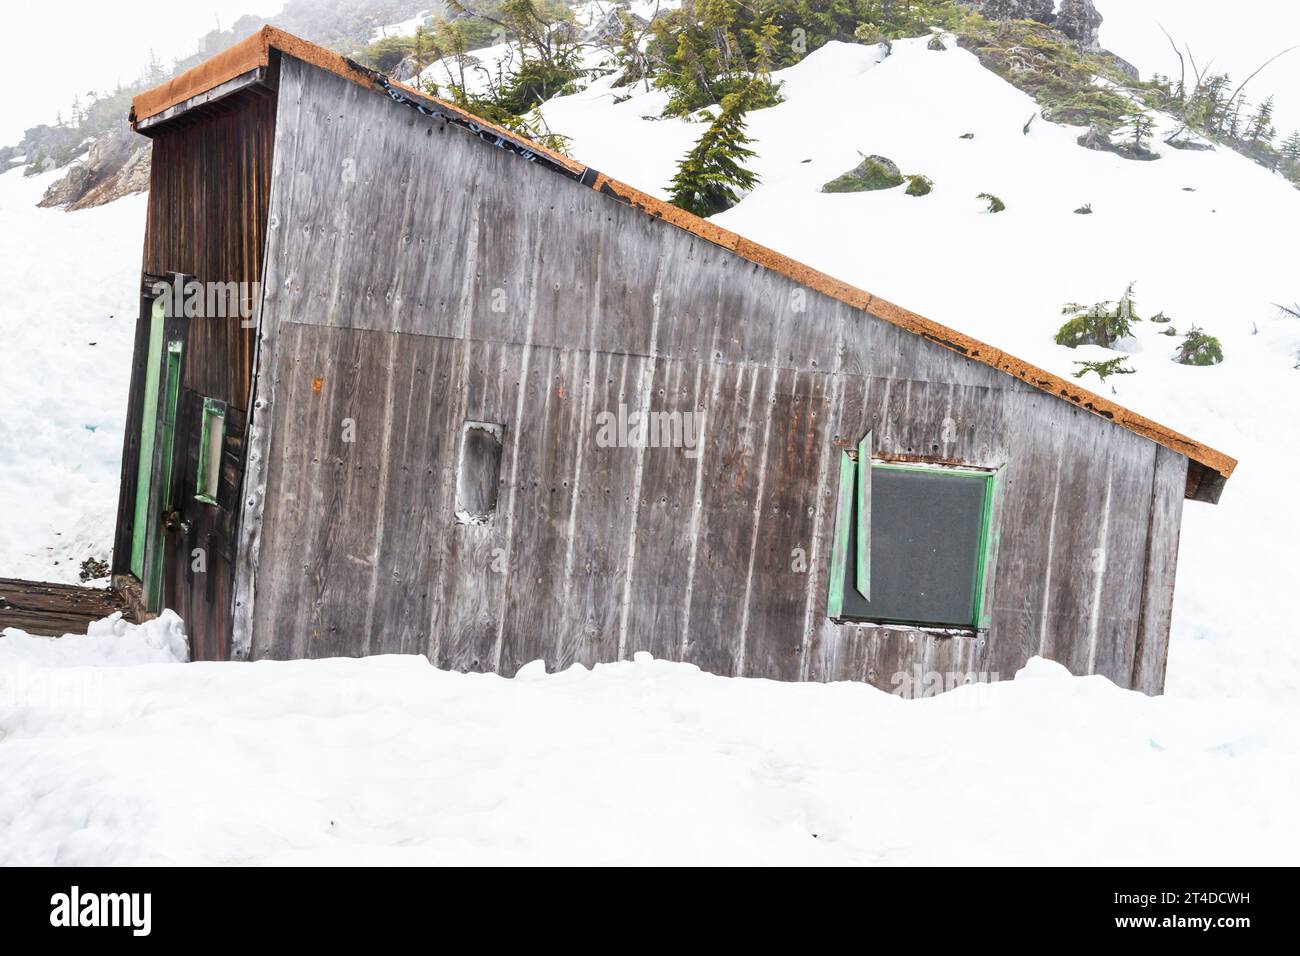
{"type": "Point", "coordinates": [389, 760]}
{"type": "Point", "coordinates": [111, 642]}
{"type": "Point", "coordinates": [67, 321]}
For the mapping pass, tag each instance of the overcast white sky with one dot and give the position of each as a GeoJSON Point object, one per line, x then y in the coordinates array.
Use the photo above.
{"type": "Point", "coordinates": [60, 50]}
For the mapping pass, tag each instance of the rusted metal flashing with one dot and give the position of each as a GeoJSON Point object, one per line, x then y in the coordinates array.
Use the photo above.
{"type": "Point", "coordinates": [1211, 467]}
{"type": "Point", "coordinates": [218, 93]}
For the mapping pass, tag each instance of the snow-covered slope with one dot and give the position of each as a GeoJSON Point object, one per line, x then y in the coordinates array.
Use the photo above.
{"type": "Point", "coordinates": [402, 29]}
{"type": "Point", "coordinates": [67, 321]}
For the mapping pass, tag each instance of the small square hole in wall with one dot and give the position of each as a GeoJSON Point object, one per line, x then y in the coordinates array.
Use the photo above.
{"type": "Point", "coordinates": [478, 472]}
{"type": "Point", "coordinates": [211, 444]}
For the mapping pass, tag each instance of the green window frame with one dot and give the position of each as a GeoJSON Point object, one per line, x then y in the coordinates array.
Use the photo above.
{"type": "Point", "coordinates": [851, 553]}
{"type": "Point", "coordinates": [212, 440]}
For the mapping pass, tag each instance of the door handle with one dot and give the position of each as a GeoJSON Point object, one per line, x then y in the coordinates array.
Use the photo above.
{"type": "Point", "coordinates": [173, 520]}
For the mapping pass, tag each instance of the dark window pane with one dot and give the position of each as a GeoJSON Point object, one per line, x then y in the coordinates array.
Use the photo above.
{"type": "Point", "coordinates": [926, 530]}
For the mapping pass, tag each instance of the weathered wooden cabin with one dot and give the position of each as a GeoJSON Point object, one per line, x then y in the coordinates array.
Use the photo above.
{"type": "Point", "coordinates": [492, 405]}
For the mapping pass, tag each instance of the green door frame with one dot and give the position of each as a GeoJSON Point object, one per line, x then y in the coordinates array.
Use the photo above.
{"type": "Point", "coordinates": [156, 553]}
{"type": "Point", "coordinates": [148, 429]}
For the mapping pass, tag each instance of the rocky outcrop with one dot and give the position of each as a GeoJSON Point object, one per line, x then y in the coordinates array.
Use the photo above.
{"type": "Point", "coordinates": [116, 165]}
{"type": "Point", "coordinates": [43, 147]}
{"type": "Point", "coordinates": [609, 28]}
{"type": "Point", "coordinates": [407, 69]}
{"type": "Point", "coordinates": [1081, 22]}
{"type": "Point", "coordinates": [1039, 10]}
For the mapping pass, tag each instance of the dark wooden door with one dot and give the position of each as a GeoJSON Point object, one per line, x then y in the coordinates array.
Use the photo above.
{"type": "Point", "coordinates": [197, 462]}
{"type": "Point", "coordinates": [201, 525]}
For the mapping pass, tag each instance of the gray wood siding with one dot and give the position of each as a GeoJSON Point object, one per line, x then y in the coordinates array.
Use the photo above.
{"type": "Point", "coordinates": [418, 277]}
{"type": "Point", "coordinates": [1167, 494]}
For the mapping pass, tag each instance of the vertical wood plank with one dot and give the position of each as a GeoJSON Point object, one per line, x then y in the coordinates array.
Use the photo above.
{"type": "Point", "coordinates": [1152, 650]}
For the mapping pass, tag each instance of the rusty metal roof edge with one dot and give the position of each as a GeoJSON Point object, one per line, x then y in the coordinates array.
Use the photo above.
{"type": "Point", "coordinates": [256, 50]}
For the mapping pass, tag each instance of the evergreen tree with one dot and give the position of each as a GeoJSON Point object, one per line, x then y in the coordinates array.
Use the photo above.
{"type": "Point", "coordinates": [1291, 147]}
{"type": "Point", "coordinates": [1260, 128]}
{"type": "Point", "coordinates": [1209, 110]}
{"type": "Point", "coordinates": [1104, 369]}
{"type": "Point", "coordinates": [1103, 323]}
{"type": "Point", "coordinates": [711, 176]}
{"type": "Point", "coordinates": [1137, 128]}
{"type": "Point", "coordinates": [1198, 348]}
{"type": "Point", "coordinates": [710, 48]}
{"type": "Point", "coordinates": [544, 61]}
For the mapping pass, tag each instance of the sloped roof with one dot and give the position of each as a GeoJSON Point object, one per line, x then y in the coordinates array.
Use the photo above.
{"type": "Point", "coordinates": [1210, 468]}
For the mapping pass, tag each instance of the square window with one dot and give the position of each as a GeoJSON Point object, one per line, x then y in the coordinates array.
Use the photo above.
{"type": "Point", "coordinates": [911, 544]}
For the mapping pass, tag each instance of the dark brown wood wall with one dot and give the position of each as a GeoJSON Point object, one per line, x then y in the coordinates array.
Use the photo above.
{"type": "Point", "coordinates": [207, 215]}
{"type": "Point", "coordinates": [418, 278]}
{"type": "Point", "coordinates": [208, 200]}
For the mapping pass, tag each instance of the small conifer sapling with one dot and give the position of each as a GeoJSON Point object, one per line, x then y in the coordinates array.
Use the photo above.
{"type": "Point", "coordinates": [711, 177]}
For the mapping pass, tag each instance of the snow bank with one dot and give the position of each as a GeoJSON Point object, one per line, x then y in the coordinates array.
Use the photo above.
{"type": "Point", "coordinates": [67, 321]}
{"type": "Point", "coordinates": [111, 641]}
{"type": "Point", "coordinates": [388, 760]}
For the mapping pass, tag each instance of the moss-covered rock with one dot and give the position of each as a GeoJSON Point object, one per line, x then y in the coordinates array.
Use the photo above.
{"type": "Point", "coordinates": [994, 203]}
{"type": "Point", "coordinates": [919, 185]}
{"type": "Point", "coordinates": [874, 172]}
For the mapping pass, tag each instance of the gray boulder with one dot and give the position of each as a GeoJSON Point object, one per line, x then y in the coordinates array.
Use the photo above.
{"type": "Point", "coordinates": [407, 69]}
{"type": "Point", "coordinates": [1040, 10]}
{"type": "Point", "coordinates": [1081, 22]}
{"type": "Point", "coordinates": [610, 27]}
{"type": "Point", "coordinates": [874, 172]}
